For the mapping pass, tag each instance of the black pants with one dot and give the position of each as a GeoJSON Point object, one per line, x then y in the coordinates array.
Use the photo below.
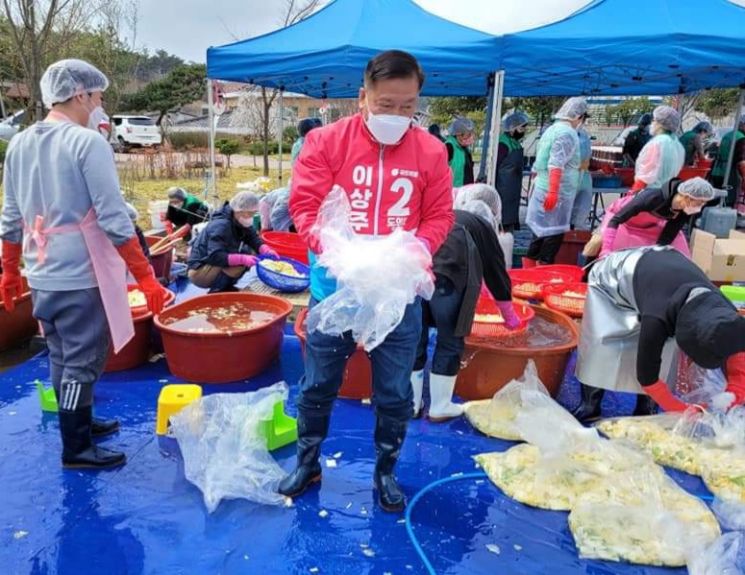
{"type": "Point", "coordinates": [544, 250]}
{"type": "Point", "coordinates": [442, 312]}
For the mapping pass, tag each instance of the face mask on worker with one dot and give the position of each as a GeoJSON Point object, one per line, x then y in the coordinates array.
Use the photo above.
{"type": "Point", "coordinates": [518, 134]}
{"type": "Point", "coordinates": [246, 222]}
{"type": "Point", "coordinates": [692, 210]}
{"type": "Point", "coordinates": [96, 116]}
{"type": "Point", "coordinates": [387, 129]}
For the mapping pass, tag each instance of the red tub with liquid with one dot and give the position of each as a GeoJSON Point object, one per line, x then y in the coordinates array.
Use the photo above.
{"type": "Point", "coordinates": [137, 351]}
{"type": "Point", "coordinates": [241, 335]}
{"type": "Point", "coordinates": [19, 325]}
{"type": "Point", "coordinates": [357, 382]}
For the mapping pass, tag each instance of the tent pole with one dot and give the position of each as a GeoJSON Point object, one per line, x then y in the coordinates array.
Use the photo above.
{"type": "Point", "coordinates": [281, 130]}
{"type": "Point", "coordinates": [487, 129]}
{"type": "Point", "coordinates": [496, 126]}
{"type": "Point", "coordinates": [211, 187]}
{"type": "Point", "coordinates": [731, 156]}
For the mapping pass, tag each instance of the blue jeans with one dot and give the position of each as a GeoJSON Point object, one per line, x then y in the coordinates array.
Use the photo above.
{"type": "Point", "coordinates": [442, 313]}
{"type": "Point", "coordinates": [392, 362]}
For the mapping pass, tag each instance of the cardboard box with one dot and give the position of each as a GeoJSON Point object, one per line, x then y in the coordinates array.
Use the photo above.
{"type": "Point", "coordinates": [723, 260]}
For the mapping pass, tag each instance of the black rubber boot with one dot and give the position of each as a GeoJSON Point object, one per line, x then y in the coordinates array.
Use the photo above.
{"type": "Point", "coordinates": [311, 431]}
{"type": "Point", "coordinates": [78, 451]}
{"type": "Point", "coordinates": [589, 408]}
{"type": "Point", "coordinates": [103, 427]}
{"type": "Point", "coordinates": [389, 437]}
{"type": "Point", "coordinates": [645, 405]}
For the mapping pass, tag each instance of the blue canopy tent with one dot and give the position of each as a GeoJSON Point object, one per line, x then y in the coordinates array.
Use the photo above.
{"type": "Point", "coordinates": [324, 55]}
{"type": "Point", "coordinates": [629, 47]}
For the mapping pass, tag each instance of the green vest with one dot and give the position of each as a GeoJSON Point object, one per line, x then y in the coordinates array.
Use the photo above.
{"type": "Point", "coordinates": [689, 144]}
{"type": "Point", "coordinates": [721, 163]}
{"type": "Point", "coordinates": [511, 143]}
{"type": "Point", "coordinates": [458, 161]}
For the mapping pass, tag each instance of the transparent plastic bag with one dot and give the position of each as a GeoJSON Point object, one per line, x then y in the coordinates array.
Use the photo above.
{"type": "Point", "coordinates": [225, 454]}
{"type": "Point", "coordinates": [496, 416]}
{"type": "Point", "coordinates": [377, 276]}
{"type": "Point", "coordinates": [725, 556]}
{"type": "Point", "coordinates": [643, 517]}
{"type": "Point", "coordinates": [731, 514]}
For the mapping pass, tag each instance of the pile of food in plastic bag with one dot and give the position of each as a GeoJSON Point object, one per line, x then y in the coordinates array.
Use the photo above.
{"type": "Point", "coordinates": [377, 276]}
{"type": "Point", "coordinates": [224, 450]}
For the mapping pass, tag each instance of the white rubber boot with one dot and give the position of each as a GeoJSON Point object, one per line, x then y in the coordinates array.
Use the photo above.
{"type": "Point", "coordinates": [417, 384]}
{"type": "Point", "coordinates": [441, 389]}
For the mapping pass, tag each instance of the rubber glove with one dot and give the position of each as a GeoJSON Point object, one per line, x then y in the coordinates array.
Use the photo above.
{"type": "Point", "coordinates": [11, 285]}
{"type": "Point", "coordinates": [138, 265]}
{"type": "Point", "coordinates": [242, 260]}
{"type": "Point", "coordinates": [638, 186]}
{"type": "Point", "coordinates": [660, 392]}
{"type": "Point", "coordinates": [511, 319]}
{"type": "Point", "coordinates": [265, 250]}
{"type": "Point", "coordinates": [554, 181]}
{"type": "Point", "coordinates": [609, 239]}
{"type": "Point", "coordinates": [735, 372]}
{"type": "Point", "coordinates": [169, 227]}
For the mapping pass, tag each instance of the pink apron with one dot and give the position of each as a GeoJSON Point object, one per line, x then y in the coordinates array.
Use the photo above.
{"type": "Point", "coordinates": [108, 266]}
{"type": "Point", "coordinates": [641, 230]}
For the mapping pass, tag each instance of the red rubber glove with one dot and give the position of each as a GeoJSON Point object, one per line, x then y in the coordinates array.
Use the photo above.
{"type": "Point", "coordinates": [554, 181]}
{"type": "Point", "coordinates": [242, 260]}
{"type": "Point", "coordinates": [638, 186]}
{"type": "Point", "coordinates": [169, 227]}
{"type": "Point", "coordinates": [735, 372]}
{"type": "Point", "coordinates": [11, 285]}
{"type": "Point", "coordinates": [511, 319]}
{"type": "Point", "coordinates": [138, 265]}
{"type": "Point", "coordinates": [661, 393]}
{"type": "Point", "coordinates": [265, 250]}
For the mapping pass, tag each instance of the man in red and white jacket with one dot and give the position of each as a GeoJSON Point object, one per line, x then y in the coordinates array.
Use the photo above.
{"type": "Point", "coordinates": [396, 176]}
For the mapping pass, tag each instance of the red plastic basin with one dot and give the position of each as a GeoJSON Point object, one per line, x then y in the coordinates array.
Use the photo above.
{"type": "Point", "coordinates": [690, 172]}
{"type": "Point", "coordinates": [287, 244]}
{"type": "Point", "coordinates": [626, 175]}
{"type": "Point", "coordinates": [161, 263]}
{"type": "Point", "coordinates": [137, 351]}
{"type": "Point", "coordinates": [222, 357]}
{"type": "Point", "coordinates": [357, 382]}
{"type": "Point", "coordinates": [571, 247]}
{"type": "Point", "coordinates": [18, 325]}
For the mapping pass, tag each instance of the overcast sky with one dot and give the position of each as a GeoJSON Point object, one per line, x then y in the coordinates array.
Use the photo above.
{"type": "Point", "coordinates": [187, 28]}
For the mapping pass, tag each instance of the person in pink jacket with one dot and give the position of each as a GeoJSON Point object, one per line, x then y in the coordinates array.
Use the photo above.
{"type": "Point", "coordinates": [396, 176]}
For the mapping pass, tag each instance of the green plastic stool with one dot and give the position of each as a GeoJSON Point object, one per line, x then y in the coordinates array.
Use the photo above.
{"type": "Point", "coordinates": [281, 429]}
{"type": "Point", "coordinates": [47, 397]}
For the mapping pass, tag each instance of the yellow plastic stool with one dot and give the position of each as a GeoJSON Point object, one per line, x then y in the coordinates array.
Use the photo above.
{"type": "Point", "coordinates": [172, 399]}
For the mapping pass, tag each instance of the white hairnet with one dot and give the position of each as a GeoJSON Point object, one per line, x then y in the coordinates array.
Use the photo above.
{"type": "Point", "coordinates": [479, 208]}
{"type": "Point", "coordinates": [280, 216]}
{"type": "Point", "coordinates": [245, 202]}
{"type": "Point", "coordinates": [667, 117]}
{"type": "Point", "coordinates": [482, 192]}
{"type": "Point", "coordinates": [68, 78]}
{"type": "Point", "coordinates": [132, 212]}
{"type": "Point", "coordinates": [697, 189]}
{"type": "Point", "coordinates": [461, 125]}
{"type": "Point", "coordinates": [514, 120]}
{"type": "Point", "coordinates": [572, 109]}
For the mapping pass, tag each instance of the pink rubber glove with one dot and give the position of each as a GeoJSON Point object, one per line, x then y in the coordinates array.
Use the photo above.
{"type": "Point", "coordinates": [511, 320]}
{"type": "Point", "coordinates": [609, 240]}
{"type": "Point", "coordinates": [242, 260]}
{"type": "Point", "coordinates": [265, 250]}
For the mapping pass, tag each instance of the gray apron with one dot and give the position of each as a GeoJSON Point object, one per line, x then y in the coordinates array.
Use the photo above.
{"type": "Point", "coordinates": [510, 186]}
{"type": "Point", "coordinates": [610, 326]}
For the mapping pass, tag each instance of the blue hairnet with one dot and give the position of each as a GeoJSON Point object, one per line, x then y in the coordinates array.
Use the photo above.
{"type": "Point", "coordinates": [667, 117]}
{"type": "Point", "coordinates": [514, 120]}
{"type": "Point", "coordinates": [68, 78]}
{"type": "Point", "coordinates": [572, 109]}
{"type": "Point", "coordinates": [704, 127]}
{"type": "Point", "coordinates": [460, 125]}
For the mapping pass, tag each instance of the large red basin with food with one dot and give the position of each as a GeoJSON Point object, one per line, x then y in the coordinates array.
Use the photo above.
{"type": "Point", "coordinates": [19, 325]}
{"type": "Point", "coordinates": [137, 351]}
{"type": "Point", "coordinates": [221, 338]}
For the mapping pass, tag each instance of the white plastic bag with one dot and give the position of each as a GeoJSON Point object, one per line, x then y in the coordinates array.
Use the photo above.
{"type": "Point", "coordinates": [731, 514]}
{"type": "Point", "coordinates": [725, 556]}
{"type": "Point", "coordinates": [225, 454]}
{"type": "Point", "coordinates": [377, 276]}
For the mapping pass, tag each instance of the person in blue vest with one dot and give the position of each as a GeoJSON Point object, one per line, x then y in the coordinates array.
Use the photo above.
{"type": "Point", "coordinates": [459, 155]}
{"type": "Point", "coordinates": [557, 166]}
{"type": "Point", "coordinates": [510, 162]}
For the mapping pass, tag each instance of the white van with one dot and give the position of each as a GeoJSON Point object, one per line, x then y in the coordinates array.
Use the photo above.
{"type": "Point", "coordinates": [131, 131]}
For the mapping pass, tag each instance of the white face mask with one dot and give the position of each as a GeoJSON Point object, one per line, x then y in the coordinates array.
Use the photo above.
{"type": "Point", "coordinates": [387, 128]}
{"type": "Point", "coordinates": [692, 210]}
{"type": "Point", "coordinates": [96, 116]}
{"type": "Point", "coordinates": [246, 222]}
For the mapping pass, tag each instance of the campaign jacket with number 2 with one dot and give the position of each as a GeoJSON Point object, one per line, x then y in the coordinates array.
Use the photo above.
{"type": "Point", "coordinates": [406, 185]}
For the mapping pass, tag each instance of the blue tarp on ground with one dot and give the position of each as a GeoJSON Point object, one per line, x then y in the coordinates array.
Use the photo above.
{"type": "Point", "coordinates": [325, 54]}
